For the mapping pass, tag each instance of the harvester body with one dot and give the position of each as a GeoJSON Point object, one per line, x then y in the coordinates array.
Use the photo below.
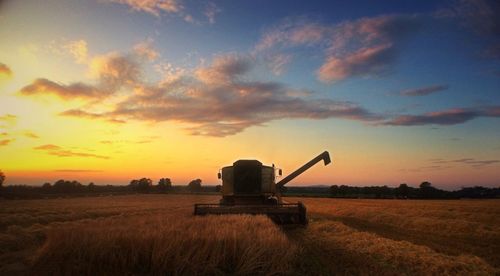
{"type": "Point", "coordinates": [249, 187]}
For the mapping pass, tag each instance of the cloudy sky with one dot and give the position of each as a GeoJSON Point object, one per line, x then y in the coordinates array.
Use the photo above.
{"type": "Point", "coordinates": [110, 90]}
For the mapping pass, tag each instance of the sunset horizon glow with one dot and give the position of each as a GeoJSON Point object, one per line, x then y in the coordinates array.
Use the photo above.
{"type": "Point", "coordinates": [107, 91]}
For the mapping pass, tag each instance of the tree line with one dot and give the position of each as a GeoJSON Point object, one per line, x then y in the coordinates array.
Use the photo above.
{"type": "Point", "coordinates": [403, 191]}
{"type": "Point", "coordinates": [73, 187]}
{"type": "Point", "coordinates": [145, 185]}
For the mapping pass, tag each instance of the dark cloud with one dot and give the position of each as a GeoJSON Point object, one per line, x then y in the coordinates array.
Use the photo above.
{"type": "Point", "coordinates": [217, 101]}
{"type": "Point", "coordinates": [112, 72]}
{"type": "Point", "coordinates": [224, 68]}
{"type": "Point", "coordinates": [446, 117]}
{"type": "Point", "coordinates": [58, 151]}
{"type": "Point", "coordinates": [424, 90]}
{"type": "Point", "coordinates": [68, 92]}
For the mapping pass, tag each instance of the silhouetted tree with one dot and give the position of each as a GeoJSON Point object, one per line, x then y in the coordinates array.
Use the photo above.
{"type": "Point", "coordinates": [2, 179]}
{"type": "Point", "coordinates": [477, 192]}
{"type": "Point", "coordinates": [64, 186]}
{"type": "Point", "coordinates": [218, 188]}
{"type": "Point", "coordinates": [133, 184]}
{"type": "Point", "coordinates": [428, 191]}
{"type": "Point", "coordinates": [195, 185]}
{"type": "Point", "coordinates": [164, 184]}
{"type": "Point", "coordinates": [46, 187]}
{"type": "Point", "coordinates": [403, 190]}
{"type": "Point", "coordinates": [91, 187]}
{"type": "Point", "coordinates": [144, 185]}
{"type": "Point", "coordinates": [425, 185]}
{"type": "Point", "coordinates": [334, 190]}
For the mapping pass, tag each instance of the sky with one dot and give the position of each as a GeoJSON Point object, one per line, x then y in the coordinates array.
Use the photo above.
{"type": "Point", "coordinates": [107, 91]}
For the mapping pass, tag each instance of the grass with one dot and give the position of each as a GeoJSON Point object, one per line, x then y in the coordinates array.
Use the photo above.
{"type": "Point", "coordinates": [157, 234]}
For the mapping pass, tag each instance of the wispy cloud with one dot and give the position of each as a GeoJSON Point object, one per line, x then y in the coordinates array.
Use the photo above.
{"type": "Point", "coordinates": [160, 8]}
{"type": "Point", "coordinates": [466, 161]}
{"type": "Point", "coordinates": [482, 17]}
{"type": "Point", "coordinates": [278, 63]}
{"type": "Point", "coordinates": [423, 91]}
{"type": "Point", "coordinates": [8, 118]}
{"type": "Point", "coordinates": [78, 49]}
{"type": "Point", "coordinates": [363, 47]}
{"type": "Point", "coordinates": [446, 117]}
{"type": "Point", "coordinates": [211, 11]}
{"type": "Point", "coordinates": [89, 115]}
{"type": "Point", "coordinates": [31, 134]}
{"type": "Point", "coordinates": [113, 142]}
{"type": "Point", "coordinates": [78, 171]}
{"type": "Point", "coordinates": [154, 7]}
{"type": "Point", "coordinates": [58, 151]}
{"type": "Point", "coordinates": [146, 50]}
{"type": "Point", "coordinates": [7, 121]}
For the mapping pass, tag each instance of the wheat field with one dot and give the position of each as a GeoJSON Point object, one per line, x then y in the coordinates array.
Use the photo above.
{"type": "Point", "coordinates": [157, 234]}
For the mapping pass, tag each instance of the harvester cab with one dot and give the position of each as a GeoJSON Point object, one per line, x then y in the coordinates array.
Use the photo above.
{"type": "Point", "coordinates": [249, 187]}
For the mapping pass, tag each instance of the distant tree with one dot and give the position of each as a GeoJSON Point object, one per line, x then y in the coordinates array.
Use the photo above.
{"type": "Point", "coordinates": [164, 184]}
{"type": "Point", "coordinates": [46, 187]}
{"type": "Point", "coordinates": [334, 190]}
{"type": "Point", "coordinates": [2, 179]}
{"type": "Point", "coordinates": [478, 192]}
{"type": "Point", "coordinates": [218, 188]}
{"type": "Point", "coordinates": [403, 190]}
{"type": "Point", "coordinates": [428, 191]}
{"type": "Point", "coordinates": [144, 185]}
{"type": "Point", "coordinates": [195, 185]}
{"type": "Point", "coordinates": [64, 186]}
{"type": "Point", "coordinates": [134, 183]}
{"type": "Point", "coordinates": [425, 185]}
{"type": "Point", "coordinates": [91, 187]}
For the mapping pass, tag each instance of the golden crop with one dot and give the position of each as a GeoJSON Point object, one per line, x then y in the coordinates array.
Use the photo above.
{"type": "Point", "coordinates": [157, 234]}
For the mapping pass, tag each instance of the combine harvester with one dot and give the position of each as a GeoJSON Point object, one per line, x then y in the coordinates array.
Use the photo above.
{"type": "Point", "coordinates": [248, 187]}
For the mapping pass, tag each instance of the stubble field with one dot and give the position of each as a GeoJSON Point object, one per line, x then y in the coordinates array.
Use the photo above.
{"type": "Point", "coordinates": [157, 234]}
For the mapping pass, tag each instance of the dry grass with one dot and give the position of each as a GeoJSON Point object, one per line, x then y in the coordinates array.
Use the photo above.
{"type": "Point", "coordinates": [451, 227]}
{"type": "Point", "coordinates": [171, 245]}
{"type": "Point", "coordinates": [157, 234]}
